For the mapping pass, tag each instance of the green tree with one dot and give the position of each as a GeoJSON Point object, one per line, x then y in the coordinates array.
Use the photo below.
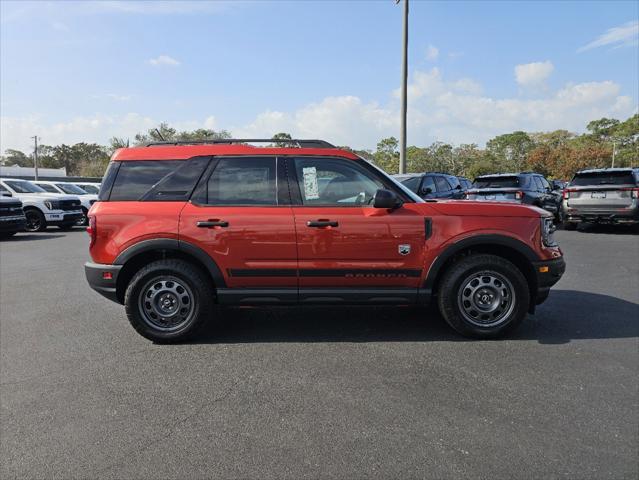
{"type": "Point", "coordinates": [511, 149]}
{"type": "Point", "coordinates": [16, 157]}
{"type": "Point", "coordinates": [387, 155]}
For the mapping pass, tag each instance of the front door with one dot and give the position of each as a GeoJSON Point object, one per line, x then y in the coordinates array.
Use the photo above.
{"type": "Point", "coordinates": [343, 241]}
{"type": "Point", "coordinates": [241, 216]}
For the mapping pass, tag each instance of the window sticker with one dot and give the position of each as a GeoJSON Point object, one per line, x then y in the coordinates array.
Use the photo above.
{"type": "Point", "coordinates": [311, 190]}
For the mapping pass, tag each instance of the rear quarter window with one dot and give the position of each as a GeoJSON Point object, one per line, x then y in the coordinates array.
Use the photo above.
{"type": "Point", "coordinates": [135, 178]}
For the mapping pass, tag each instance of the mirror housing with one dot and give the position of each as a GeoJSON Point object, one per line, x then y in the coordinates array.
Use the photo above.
{"type": "Point", "coordinates": [427, 191]}
{"type": "Point", "coordinates": [387, 199]}
{"type": "Point", "coordinates": [7, 194]}
{"type": "Point", "coordinates": [458, 187]}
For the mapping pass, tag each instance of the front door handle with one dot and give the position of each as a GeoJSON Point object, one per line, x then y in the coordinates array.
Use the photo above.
{"type": "Point", "coordinates": [212, 223]}
{"type": "Point", "coordinates": [321, 223]}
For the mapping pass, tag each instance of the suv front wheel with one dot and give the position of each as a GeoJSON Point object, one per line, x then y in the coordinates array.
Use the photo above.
{"type": "Point", "coordinates": [168, 300]}
{"type": "Point", "coordinates": [483, 296]}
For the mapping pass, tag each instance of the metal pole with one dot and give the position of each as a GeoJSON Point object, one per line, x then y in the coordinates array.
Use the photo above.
{"type": "Point", "coordinates": [35, 157]}
{"type": "Point", "coordinates": [614, 149]}
{"type": "Point", "coordinates": [402, 134]}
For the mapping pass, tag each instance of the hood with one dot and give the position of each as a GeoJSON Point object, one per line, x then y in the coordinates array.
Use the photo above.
{"type": "Point", "coordinates": [41, 197]}
{"type": "Point", "coordinates": [468, 208]}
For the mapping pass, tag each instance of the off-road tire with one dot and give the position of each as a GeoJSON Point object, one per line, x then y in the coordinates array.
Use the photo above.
{"type": "Point", "coordinates": [35, 215]}
{"type": "Point", "coordinates": [454, 287]}
{"type": "Point", "coordinates": [189, 278]}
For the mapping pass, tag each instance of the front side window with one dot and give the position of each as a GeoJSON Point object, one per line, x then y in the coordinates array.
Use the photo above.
{"type": "Point", "coordinates": [328, 181]}
{"type": "Point", "coordinates": [24, 187]}
{"type": "Point", "coordinates": [429, 183]}
{"type": "Point", "coordinates": [90, 188]}
{"type": "Point", "coordinates": [47, 187]}
{"type": "Point", "coordinates": [243, 181]}
{"type": "Point", "coordinates": [412, 183]}
{"type": "Point", "coordinates": [135, 178]}
{"type": "Point", "coordinates": [70, 188]}
{"type": "Point", "coordinates": [442, 184]}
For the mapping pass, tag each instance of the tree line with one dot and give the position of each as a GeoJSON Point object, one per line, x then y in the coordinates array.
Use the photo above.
{"type": "Point", "coordinates": [557, 154]}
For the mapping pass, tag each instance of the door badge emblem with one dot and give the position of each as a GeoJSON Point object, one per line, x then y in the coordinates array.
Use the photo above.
{"type": "Point", "coordinates": [404, 249]}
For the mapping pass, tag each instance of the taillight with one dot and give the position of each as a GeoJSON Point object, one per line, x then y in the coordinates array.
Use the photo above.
{"type": "Point", "coordinates": [566, 194]}
{"type": "Point", "coordinates": [519, 195]}
{"type": "Point", "coordinates": [92, 230]}
{"type": "Point", "coordinates": [634, 193]}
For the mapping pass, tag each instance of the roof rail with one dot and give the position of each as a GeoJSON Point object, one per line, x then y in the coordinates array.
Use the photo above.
{"type": "Point", "coordinates": [293, 142]}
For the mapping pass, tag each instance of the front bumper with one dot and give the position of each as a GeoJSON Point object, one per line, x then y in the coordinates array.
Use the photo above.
{"type": "Point", "coordinates": [14, 223]}
{"type": "Point", "coordinates": [548, 273]}
{"type": "Point", "coordinates": [63, 217]}
{"type": "Point", "coordinates": [103, 279]}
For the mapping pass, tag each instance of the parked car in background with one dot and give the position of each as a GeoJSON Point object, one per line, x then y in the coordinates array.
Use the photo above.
{"type": "Point", "coordinates": [41, 208]}
{"type": "Point", "coordinates": [604, 195]}
{"type": "Point", "coordinates": [526, 187]}
{"type": "Point", "coordinates": [465, 183]}
{"type": "Point", "coordinates": [558, 184]}
{"type": "Point", "coordinates": [65, 188]}
{"type": "Point", "coordinates": [12, 219]}
{"type": "Point", "coordinates": [432, 185]}
{"type": "Point", "coordinates": [93, 188]}
{"type": "Point", "coordinates": [192, 226]}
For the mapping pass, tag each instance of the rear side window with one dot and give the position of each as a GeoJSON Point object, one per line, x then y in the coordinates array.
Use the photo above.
{"type": "Point", "coordinates": [178, 185]}
{"type": "Point", "coordinates": [243, 181]}
{"type": "Point", "coordinates": [135, 178]}
{"type": "Point", "coordinates": [428, 183]}
{"type": "Point", "coordinates": [603, 178]}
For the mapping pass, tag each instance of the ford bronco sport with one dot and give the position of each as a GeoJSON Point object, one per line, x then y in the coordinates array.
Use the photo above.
{"type": "Point", "coordinates": [180, 228]}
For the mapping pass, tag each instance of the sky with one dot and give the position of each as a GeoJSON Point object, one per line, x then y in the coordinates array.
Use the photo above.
{"type": "Point", "coordinates": [87, 71]}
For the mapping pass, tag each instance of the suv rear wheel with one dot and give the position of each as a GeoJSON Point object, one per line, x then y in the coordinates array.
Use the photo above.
{"type": "Point", "coordinates": [168, 300]}
{"type": "Point", "coordinates": [483, 296]}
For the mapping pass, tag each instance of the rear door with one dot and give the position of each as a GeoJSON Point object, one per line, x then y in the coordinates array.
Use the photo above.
{"type": "Point", "coordinates": [603, 190]}
{"type": "Point", "coordinates": [343, 241]}
{"type": "Point", "coordinates": [240, 215]}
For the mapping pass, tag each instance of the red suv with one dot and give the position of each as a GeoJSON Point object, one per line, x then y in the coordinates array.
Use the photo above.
{"type": "Point", "coordinates": [179, 228]}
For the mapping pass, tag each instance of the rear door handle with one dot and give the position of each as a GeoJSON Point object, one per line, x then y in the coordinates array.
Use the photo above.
{"type": "Point", "coordinates": [212, 223]}
{"type": "Point", "coordinates": [321, 223]}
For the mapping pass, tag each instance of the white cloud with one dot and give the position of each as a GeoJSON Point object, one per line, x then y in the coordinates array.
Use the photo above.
{"type": "Point", "coordinates": [533, 74]}
{"type": "Point", "coordinates": [163, 60]}
{"type": "Point", "coordinates": [432, 53]}
{"type": "Point", "coordinates": [625, 35]}
{"type": "Point", "coordinates": [440, 109]}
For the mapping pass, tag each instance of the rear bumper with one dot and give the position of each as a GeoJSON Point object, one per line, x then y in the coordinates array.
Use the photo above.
{"type": "Point", "coordinates": [548, 273]}
{"type": "Point", "coordinates": [96, 273]}
{"type": "Point", "coordinates": [613, 215]}
{"type": "Point", "coordinates": [13, 224]}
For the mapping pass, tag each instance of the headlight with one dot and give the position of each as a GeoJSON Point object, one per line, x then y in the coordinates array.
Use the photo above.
{"type": "Point", "coordinates": [547, 232]}
{"type": "Point", "coordinates": [52, 204]}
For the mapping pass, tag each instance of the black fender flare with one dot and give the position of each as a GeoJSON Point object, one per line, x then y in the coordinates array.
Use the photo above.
{"type": "Point", "coordinates": [175, 245]}
{"type": "Point", "coordinates": [476, 240]}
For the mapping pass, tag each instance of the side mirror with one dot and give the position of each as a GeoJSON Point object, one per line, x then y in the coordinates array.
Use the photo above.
{"type": "Point", "coordinates": [386, 199]}
{"type": "Point", "coordinates": [7, 194]}
{"type": "Point", "coordinates": [427, 191]}
{"type": "Point", "coordinates": [458, 187]}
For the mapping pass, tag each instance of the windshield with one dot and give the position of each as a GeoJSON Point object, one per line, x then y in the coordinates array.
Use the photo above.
{"type": "Point", "coordinates": [24, 187]}
{"type": "Point", "coordinates": [496, 182]}
{"type": "Point", "coordinates": [70, 188]}
{"type": "Point", "coordinates": [413, 196]}
{"type": "Point", "coordinates": [90, 188]}
{"type": "Point", "coordinates": [603, 178]}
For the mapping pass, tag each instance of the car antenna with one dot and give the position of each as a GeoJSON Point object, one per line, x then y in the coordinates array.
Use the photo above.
{"type": "Point", "coordinates": [160, 135]}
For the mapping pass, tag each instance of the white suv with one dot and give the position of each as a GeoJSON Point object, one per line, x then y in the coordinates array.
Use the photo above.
{"type": "Point", "coordinates": [41, 208]}
{"type": "Point", "coordinates": [64, 188]}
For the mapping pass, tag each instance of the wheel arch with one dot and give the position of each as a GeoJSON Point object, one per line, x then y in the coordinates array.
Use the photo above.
{"type": "Point", "coordinates": [513, 250]}
{"type": "Point", "coordinates": [146, 251]}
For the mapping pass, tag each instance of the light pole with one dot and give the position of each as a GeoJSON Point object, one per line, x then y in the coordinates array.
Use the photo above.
{"type": "Point", "coordinates": [402, 133]}
{"type": "Point", "coordinates": [35, 157]}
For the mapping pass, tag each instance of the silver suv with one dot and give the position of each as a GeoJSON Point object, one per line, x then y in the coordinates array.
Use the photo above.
{"type": "Point", "coordinates": [604, 195]}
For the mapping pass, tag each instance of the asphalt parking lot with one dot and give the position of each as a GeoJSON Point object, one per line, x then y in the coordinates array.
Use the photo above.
{"type": "Point", "coordinates": [318, 393]}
